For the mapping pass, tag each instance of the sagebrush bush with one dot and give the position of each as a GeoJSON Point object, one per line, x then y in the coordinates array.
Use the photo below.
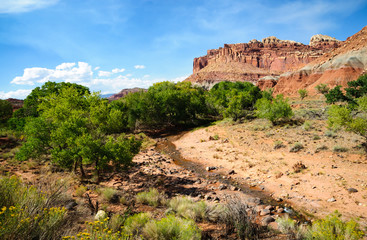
{"type": "Point", "coordinates": [152, 198]}
{"type": "Point", "coordinates": [340, 149]}
{"type": "Point", "coordinates": [333, 228]}
{"type": "Point", "coordinates": [296, 147]}
{"type": "Point", "coordinates": [79, 192]}
{"type": "Point", "coordinates": [133, 225]}
{"type": "Point", "coordinates": [236, 218]}
{"type": "Point", "coordinates": [188, 208]}
{"type": "Point", "coordinates": [108, 193]}
{"type": "Point", "coordinates": [26, 213]}
{"type": "Point", "coordinates": [171, 227]}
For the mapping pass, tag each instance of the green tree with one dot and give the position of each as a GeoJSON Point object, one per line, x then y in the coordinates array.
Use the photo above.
{"type": "Point", "coordinates": [351, 120]}
{"type": "Point", "coordinates": [165, 104]}
{"type": "Point", "coordinates": [303, 93]}
{"type": "Point", "coordinates": [335, 95]}
{"type": "Point", "coordinates": [322, 88]}
{"type": "Point", "coordinates": [31, 102]}
{"type": "Point", "coordinates": [274, 110]}
{"type": "Point", "coordinates": [71, 128]}
{"type": "Point", "coordinates": [6, 110]}
{"type": "Point", "coordinates": [233, 99]}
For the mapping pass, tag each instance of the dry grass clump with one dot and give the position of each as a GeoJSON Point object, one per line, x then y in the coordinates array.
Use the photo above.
{"type": "Point", "coordinates": [152, 198]}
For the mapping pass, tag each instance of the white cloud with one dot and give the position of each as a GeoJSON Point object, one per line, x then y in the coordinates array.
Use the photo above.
{"type": "Point", "coordinates": [96, 68]}
{"type": "Point", "coordinates": [19, 6]}
{"type": "Point", "coordinates": [104, 74]}
{"type": "Point", "coordinates": [82, 73]}
{"type": "Point", "coordinates": [139, 66]}
{"type": "Point", "coordinates": [64, 66]}
{"type": "Point", "coordinates": [19, 94]}
{"type": "Point", "coordinates": [118, 70]}
{"type": "Point", "coordinates": [67, 72]}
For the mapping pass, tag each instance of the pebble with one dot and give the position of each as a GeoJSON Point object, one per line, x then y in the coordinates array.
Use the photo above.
{"type": "Point", "coordinates": [267, 220]}
{"type": "Point", "coordinates": [264, 212]}
{"type": "Point", "coordinates": [352, 190]}
{"type": "Point", "coordinates": [331, 200]}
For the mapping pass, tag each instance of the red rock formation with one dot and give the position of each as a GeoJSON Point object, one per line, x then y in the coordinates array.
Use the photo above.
{"type": "Point", "coordinates": [124, 92]}
{"type": "Point", "coordinates": [336, 67]}
{"type": "Point", "coordinates": [254, 60]}
{"type": "Point", "coordinates": [16, 103]}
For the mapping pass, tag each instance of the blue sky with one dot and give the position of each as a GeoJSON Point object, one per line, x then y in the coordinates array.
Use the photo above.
{"type": "Point", "coordinates": [109, 45]}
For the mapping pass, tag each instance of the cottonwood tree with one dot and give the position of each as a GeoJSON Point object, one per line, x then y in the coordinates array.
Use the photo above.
{"type": "Point", "coordinates": [72, 128]}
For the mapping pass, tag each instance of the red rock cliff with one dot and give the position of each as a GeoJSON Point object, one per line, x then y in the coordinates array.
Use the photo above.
{"type": "Point", "coordinates": [253, 60]}
{"type": "Point", "coordinates": [336, 67]}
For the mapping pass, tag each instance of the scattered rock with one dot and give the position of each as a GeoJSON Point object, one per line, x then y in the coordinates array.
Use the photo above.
{"type": "Point", "coordinates": [210, 168]}
{"type": "Point", "coordinates": [100, 215]}
{"type": "Point", "coordinates": [264, 212]}
{"type": "Point", "coordinates": [331, 200]}
{"type": "Point", "coordinates": [70, 205]}
{"type": "Point", "coordinates": [298, 167]}
{"type": "Point", "coordinates": [280, 210]}
{"type": "Point", "coordinates": [222, 187]}
{"type": "Point", "coordinates": [231, 172]}
{"type": "Point", "coordinates": [352, 190]}
{"type": "Point", "coordinates": [267, 220]}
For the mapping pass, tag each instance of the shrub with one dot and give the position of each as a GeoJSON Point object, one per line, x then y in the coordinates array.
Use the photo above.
{"type": "Point", "coordinates": [275, 110]}
{"type": "Point", "coordinates": [236, 218]}
{"type": "Point", "coordinates": [6, 110]}
{"type": "Point", "coordinates": [333, 228]}
{"type": "Point", "coordinates": [108, 194]}
{"type": "Point", "coordinates": [26, 213]}
{"type": "Point", "coordinates": [322, 88]}
{"type": "Point", "coordinates": [296, 147]}
{"type": "Point", "coordinates": [330, 134]}
{"type": "Point", "coordinates": [335, 95]}
{"type": "Point", "coordinates": [303, 93]}
{"type": "Point", "coordinates": [135, 224]}
{"type": "Point", "coordinates": [188, 208]}
{"type": "Point", "coordinates": [316, 137]}
{"type": "Point", "coordinates": [307, 125]}
{"type": "Point", "coordinates": [152, 198]}
{"type": "Point", "coordinates": [171, 227]}
{"type": "Point", "coordinates": [286, 225]}
{"type": "Point", "coordinates": [340, 149]}
{"type": "Point", "coordinates": [79, 192]}
{"type": "Point", "coordinates": [320, 148]}
{"type": "Point", "coordinates": [278, 144]}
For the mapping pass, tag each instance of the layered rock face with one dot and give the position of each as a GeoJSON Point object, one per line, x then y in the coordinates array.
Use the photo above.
{"type": "Point", "coordinates": [254, 60]}
{"type": "Point", "coordinates": [124, 92]}
{"type": "Point", "coordinates": [16, 103]}
{"type": "Point", "coordinates": [336, 67]}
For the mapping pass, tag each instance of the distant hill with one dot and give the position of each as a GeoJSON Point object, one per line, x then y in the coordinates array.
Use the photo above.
{"type": "Point", "coordinates": [124, 92]}
{"type": "Point", "coordinates": [106, 95]}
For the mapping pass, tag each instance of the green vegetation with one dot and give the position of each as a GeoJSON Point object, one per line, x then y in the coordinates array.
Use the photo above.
{"type": "Point", "coordinates": [152, 198]}
{"type": "Point", "coordinates": [275, 110]}
{"type": "Point", "coordinates": [329, 228]}
{"type": "Point", "coordinates": [27, 213]}
{"type": "Point", "coordinates": [322, 88]}
{"type": "Point", "coordinates": [233, 99]}
{"type": "Point", "coordinates": [6, 111]}
{"type": "Point", "coordinates": [333, 228]}
{"type": "Point", "coordinates": [71, 128]}
{"type": "Point", "coordinates": [303, 93]}
{"type": "Point", "coordinates": [171, 227]}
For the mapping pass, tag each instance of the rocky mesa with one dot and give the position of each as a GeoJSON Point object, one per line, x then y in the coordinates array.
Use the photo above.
{"type": "Point", "coordinates": [254, 60]}
{"type": "Point", "coordinates": [336, 67]}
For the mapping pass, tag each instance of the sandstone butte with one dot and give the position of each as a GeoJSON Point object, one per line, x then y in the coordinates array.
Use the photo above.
{"type": "Point", "coordinates": [283, 64]}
